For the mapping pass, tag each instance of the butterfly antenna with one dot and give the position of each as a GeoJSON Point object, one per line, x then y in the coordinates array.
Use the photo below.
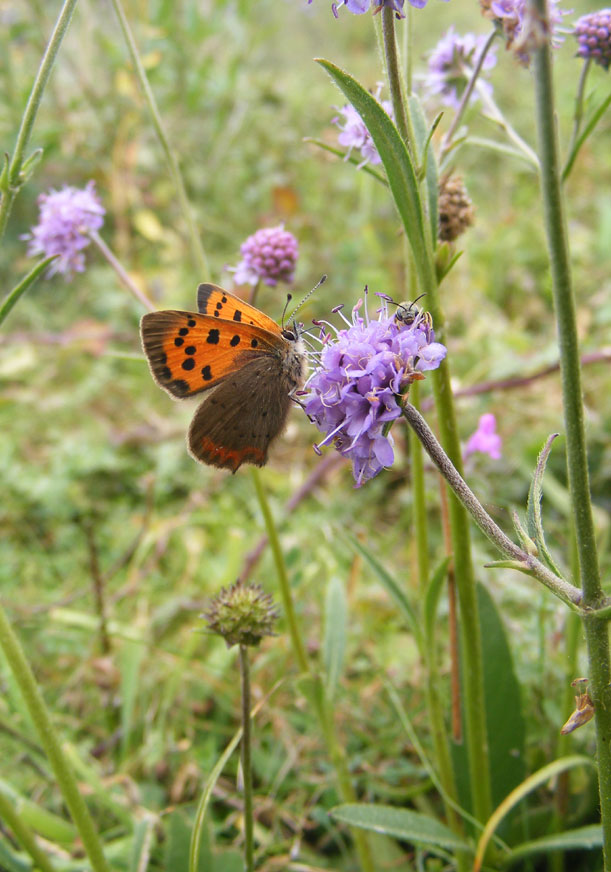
{"type": "Point", "coordinates": [307, 297]}
{"type": "Point", "coordinates": [289, 297]}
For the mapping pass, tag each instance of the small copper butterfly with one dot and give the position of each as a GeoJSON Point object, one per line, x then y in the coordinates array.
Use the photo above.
{"type": "Point", "coordinates": [250, 366]}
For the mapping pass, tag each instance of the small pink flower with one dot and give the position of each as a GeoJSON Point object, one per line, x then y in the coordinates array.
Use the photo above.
{"type": "Point", "coordinates": [485, 438]}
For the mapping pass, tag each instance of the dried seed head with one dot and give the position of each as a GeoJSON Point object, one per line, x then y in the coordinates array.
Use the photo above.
{"type": "Point", "coordinates": [242, 614]}
{"type": "Point", "coordinates": [456, 211]}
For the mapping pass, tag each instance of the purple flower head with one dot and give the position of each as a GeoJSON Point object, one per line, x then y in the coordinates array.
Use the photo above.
{"type": "Point", "coordinates": [485, 438]}
{"type": "Point", "coordinates": [451, 64]}
{"type": "Point", "coordinates": [65, 218]}
{"type": "Point", "coordinates": [270, 255]}
{"type": "Point", "coordinates": [593, 34]}
{"type": "Point", "coordinates": [359, 7]}
{"type": "Point", "coordinates": [354, 133]}
{"type": "Point", "coordinates": [523, 33]}
{"type": "Point", "coordinates": [362, 373]}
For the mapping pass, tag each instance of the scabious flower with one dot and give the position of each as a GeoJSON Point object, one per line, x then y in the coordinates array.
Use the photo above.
{"type": "Point", "coordinates": [354, 133]}
{"type": "Point", "coordinates": [269, 255]}
{"type": "Point", "coordinates": [65, 218]}
{"type": "Point", "coordinates": [451, 64]}
{"type": "Point", "coordinates": [485, 438]}
{"type": "Point", "coordinates": [362, 375]}
{"type": "Point", "coordinates": [359, 7]}
{"type": "Point", "coordinates": [593, 33]}
{"type": "Point", "coordinates": [522, 31]}
{"type": "Point", "coordinates": [242, 614]}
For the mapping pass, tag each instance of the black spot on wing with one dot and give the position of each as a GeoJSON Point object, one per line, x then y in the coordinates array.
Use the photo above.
{"type": "Point", "coordinates": [213, 336]}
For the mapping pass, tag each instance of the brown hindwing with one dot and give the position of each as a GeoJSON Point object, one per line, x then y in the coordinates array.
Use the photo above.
{"type": "Point", "coordinates": [237, 422]}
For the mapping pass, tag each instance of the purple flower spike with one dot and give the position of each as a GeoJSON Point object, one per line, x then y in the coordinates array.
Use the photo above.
{"type": "Point", "coordinates": [362, 374]}
{"type": "Point", "coordinates": [451, 64]}
{"type": "Point", "coordinates": [64, 220]}
{"type": "Point", "coordinates": [485, 438]}
{"type": "Point", "coordinates": [593, 34]}
{"type": "Point", "coordinates": [269, 255]}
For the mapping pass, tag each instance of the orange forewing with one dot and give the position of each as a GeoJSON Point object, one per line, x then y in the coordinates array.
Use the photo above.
{"type": "Point", "coordinates": [219, 303]}
{"type": "Point", "coordinates": [189, 352]}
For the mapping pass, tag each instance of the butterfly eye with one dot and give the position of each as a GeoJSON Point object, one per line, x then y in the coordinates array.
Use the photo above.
{"type": "Point", "coordinates": [289, 334]}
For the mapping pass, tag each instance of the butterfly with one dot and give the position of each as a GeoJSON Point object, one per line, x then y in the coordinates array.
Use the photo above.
{"type": "Point", "coordinates": [248, 365]}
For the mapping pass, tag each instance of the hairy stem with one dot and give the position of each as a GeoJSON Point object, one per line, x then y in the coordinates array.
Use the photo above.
{"type": "Point", "coordinates": [596, 629]}
{"type": "Point", "coordinates": [565, 591]}
{"type": "Point", "coordinates": [246, 761]}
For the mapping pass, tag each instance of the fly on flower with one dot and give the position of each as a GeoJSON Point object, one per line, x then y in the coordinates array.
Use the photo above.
{"type": "Point", "coordinates": [363, 374]}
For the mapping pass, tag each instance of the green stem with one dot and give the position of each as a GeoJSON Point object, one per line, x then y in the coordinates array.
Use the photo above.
{"type": "Point", "coordinates": [495, 114]}
{"type": "Point", "coordinates": [13, 181]}
{"type": "Point", "coordinates": [283, 581]}
{"type": "Point", "coordinates": [13, 296]}
{"type": "Point", "coordinates": [578, 118]}
{"type": "Point", "coordinates": [466, 96]}
{"type": "Point", "coordinates": [402, 117]}
{"type": "Point", "coordinates": [246, 761]}
{"type": "Point", "coordinates": [419, 497]}
{"type": "Point", "coordinates": [477, 740]}
{"type": "Point", "coordinates": [197, 249]}
{"type": "Point", "coordinates": [408, 50]}
{"type": "Point", "coordinates": [37, 710]}
{"type": "Point", "coordinates": [23, 834]}
{"type": "Point", "coordinates": [325, 716]}
{"type": "Point", "coordinates": [123, 275]}
{"type": "Point", "coordinates": [596, 630]}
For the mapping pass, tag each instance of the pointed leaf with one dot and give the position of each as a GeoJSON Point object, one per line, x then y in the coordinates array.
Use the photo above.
{"type": "Point", "coordinates": [393, 588]}
{"type": "Point", "coordinates": [584, 838]}
{"type": "Point", "coordinates": [25, 283]}
{"type": "Point", "coordinates": [334, 644]}
{"type": "Point", "coordinates": [535, 495]}
{"type": "Point", "coordinates": [141, 845]}
{"type": "Point", "coordinates": [394, 155]}
{"type": "Point", "coordinates": [527, 786]}
{"type": "Point", "coordinates": [401, 823]}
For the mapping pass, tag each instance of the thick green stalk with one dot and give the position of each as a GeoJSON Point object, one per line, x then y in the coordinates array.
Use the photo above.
{"type": "Point", "coordinates": [473, 679]}
{"type": "Point", "coordinates": [12, 180]}
{"type": "Point", "coordinates": [41, 719]}
{"type": "Point", "coordinates": [402, 117]}
{"type": "Point", "coordinates": [24, 835]}
{"type": "Point", "coordinates": [318, 695]}
{"type": "Point", "coordinates": [596, 629]}
{"type": "Point", "coordinates": [197, 249]}
{"type": "Point", "coordinates": [246, 761]}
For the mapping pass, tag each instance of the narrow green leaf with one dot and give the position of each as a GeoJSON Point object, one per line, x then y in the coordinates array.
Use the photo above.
{"type": "Point", "coordinates": [427, 160]}
{"type": "Point", "coordinates": [535, 495]}
{"type": "Point", "coordinates": [401, 823]}
{"type": "Point", "coordinates": [29, 165]}
{"type": "Point", "coordinates": [584, 838]}
{"type": "Point", "coordinates": [393, 589]}
{"type": "Point", "coordinates": [431, 599]}
{"type": "Point", "coordinates": [25, 283]}
{"type": "Point", "coordinates": [587, 130]}
{"type": "Point", "coordinates": [334, 643]}
{"type": "Point", "coordinates": [521, 791]}
{"type": "Point", "coordinates": [347, 158]}
{"type": "Point", "coordinates": [394, 156]}
{"type": "Point", "coordinates": [141, 845]}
